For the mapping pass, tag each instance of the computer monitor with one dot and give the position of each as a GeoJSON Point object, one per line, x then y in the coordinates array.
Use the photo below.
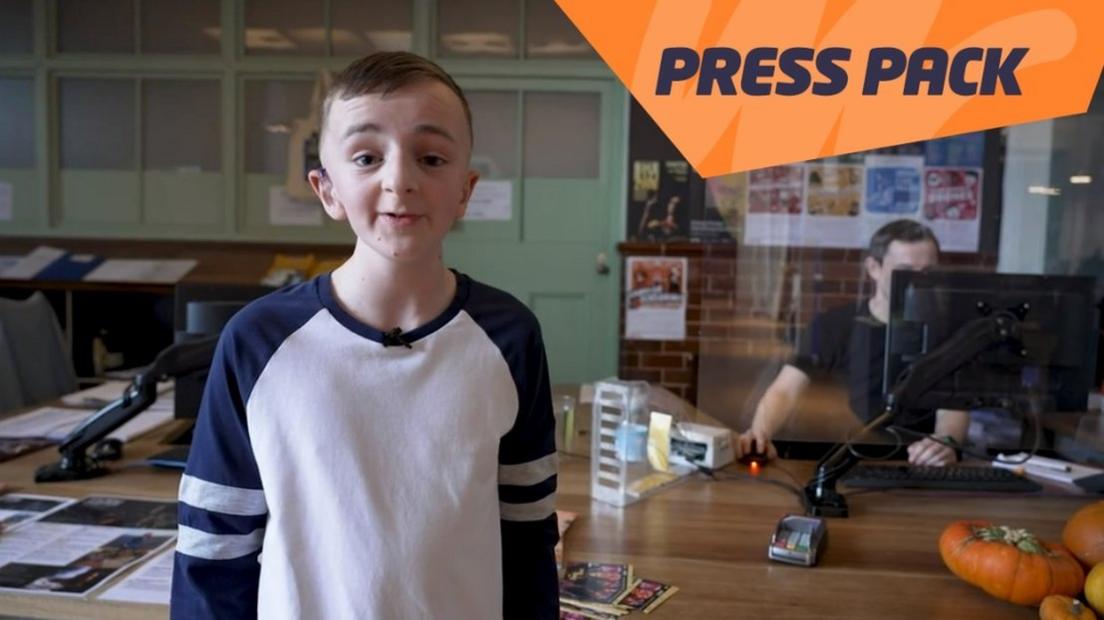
{"type": "Point", "coordinates": [1049, 367]}
{"type": "Point", "coordinates": [202, 310]}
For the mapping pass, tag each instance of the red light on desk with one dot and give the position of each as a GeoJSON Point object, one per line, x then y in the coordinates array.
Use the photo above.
{"type": "Point", "coordinates": [755, 468]}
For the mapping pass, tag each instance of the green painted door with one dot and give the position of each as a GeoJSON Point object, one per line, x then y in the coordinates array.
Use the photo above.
{"type": "Point", "coordinates": [557, 146]}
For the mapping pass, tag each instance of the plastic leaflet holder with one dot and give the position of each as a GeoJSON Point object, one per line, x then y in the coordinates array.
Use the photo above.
{"type": "Point", "coordinates": [620, 472]}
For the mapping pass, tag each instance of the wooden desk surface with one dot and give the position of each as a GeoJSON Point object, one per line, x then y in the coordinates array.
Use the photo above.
{"type": "Point", "coordinates": [709, 538]}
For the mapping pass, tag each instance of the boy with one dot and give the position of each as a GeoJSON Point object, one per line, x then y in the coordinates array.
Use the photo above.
{"type": "Point", "coordinates": [377, 443]}
{"type": "Point", "coordinates": [848, 344]}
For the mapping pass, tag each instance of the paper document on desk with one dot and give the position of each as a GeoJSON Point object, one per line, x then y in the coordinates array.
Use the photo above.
{"type": "Point", "coordinates": [27, 267]}
{"type": "Point", "coordinates": [141, 270]}
{"type": "Point", "coordinates": [106, 392]}
{"type": "Point", "coordinates": [47, 422]}
{"type": "Point", "coordinates": [1045, 468]}
{"type": "Point", "coordinates": [79, 548]}
{"type": "Point", "coordinates": [55, 423]}
{"type": "Point", "coordinates": [19, 509]}
{"type": "Point", "coordinates": [151, 583]}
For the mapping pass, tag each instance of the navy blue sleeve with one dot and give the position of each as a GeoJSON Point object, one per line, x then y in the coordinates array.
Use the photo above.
{"type": "Point", "coordinates": [222, 505]}
{"type": "Point", "coordinates": [527, 493]}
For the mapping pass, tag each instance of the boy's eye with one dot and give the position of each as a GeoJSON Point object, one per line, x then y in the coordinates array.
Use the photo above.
{"type": "Point", "coordinates": [366, 160]}
{"type": "Point", "coordinates": [433, 161]}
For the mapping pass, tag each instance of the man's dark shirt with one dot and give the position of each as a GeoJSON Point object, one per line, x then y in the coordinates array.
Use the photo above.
{"type": "Point", "coordinates": [846, 345]}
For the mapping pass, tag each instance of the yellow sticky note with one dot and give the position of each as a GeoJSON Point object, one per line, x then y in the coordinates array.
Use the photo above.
{"type": "Point", "coordinates": [659, 440]}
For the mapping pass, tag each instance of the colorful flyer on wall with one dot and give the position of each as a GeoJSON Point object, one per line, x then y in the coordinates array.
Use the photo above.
{"type": "Point", "coordinates": [644, 197]}
{"type": "Point", "coordinates": [893, 185]}
{"type": "Point", "coordinates": [775, 197]}
{"type": "Point", "coordinates": [952, 206]}
{"type": "Point", "coordinates": [894, 190]}
{"type": "Point", "coordinates": [665, 212]}
{"type": "Point", "coordinates": [833, 204]}
{"type": "Point", "coordinates": [725, 209]}
{"type": "Point", "coordinates": [655, 307]}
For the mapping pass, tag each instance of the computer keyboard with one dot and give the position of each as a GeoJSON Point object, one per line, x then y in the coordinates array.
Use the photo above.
{"type": "Point", "coordinates": [951, 478]}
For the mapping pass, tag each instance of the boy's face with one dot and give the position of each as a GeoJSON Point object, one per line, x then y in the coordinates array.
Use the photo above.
{"type": "Point", "coordinates": [396, 167]}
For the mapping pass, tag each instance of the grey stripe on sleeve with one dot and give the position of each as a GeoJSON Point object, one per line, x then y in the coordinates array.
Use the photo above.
{"type": "Point", "coordinates": [200, 544]}
{"type": "Point", "coordinates": [532, 511]}
{"type": "Point", "coordinates": [216, 497]}
{"type": "Point", "coordinates": [528, 474]}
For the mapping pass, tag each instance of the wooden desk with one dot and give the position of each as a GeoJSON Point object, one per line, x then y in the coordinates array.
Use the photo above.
{"type": "Point", "coordinates": [708, 538]}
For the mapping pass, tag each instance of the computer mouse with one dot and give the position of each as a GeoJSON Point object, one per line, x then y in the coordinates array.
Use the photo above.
{"type": "Point", "coordinates": [759, 458]}
{"type": "Point", "coordinates": [107, 450]}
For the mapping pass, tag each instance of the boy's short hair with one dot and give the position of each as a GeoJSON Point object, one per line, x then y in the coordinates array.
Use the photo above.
{"type": "Point", "coordinates": [906, 231]}
{"type": "Point", "coordinates": [384, 73]}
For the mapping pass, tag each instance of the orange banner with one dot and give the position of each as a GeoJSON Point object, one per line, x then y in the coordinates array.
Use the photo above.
{"type": "Point", "coordinates": [745, 84]}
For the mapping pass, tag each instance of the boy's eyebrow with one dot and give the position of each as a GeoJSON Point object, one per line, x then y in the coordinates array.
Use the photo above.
{"type": "Point", "coordinates": [375, 128]}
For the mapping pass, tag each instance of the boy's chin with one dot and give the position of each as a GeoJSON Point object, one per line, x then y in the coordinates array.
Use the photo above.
{"type": "Point", "coordinates": [404, 253]}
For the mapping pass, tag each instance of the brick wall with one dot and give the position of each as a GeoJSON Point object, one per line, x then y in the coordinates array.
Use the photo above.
{"type": "Point", "coordinates": [745, 301]}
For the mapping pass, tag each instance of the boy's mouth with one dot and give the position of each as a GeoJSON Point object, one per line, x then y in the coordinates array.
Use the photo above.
{"type": "Point", "coordinates": [401, 219]}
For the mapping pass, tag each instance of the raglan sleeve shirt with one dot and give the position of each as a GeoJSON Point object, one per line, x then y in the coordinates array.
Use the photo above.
{"type": "Point", "coordinates": [527, 493]}
{"type": "Point", "coordinates": [222, 509]}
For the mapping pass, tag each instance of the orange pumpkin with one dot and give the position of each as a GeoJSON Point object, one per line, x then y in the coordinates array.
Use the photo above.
{"type": "Point", "coordinates": [1009, 564]}
{"type": "Point", "coordinates": [1084, 534]}
{"type": "Point", "coordinates": [1058, 607]}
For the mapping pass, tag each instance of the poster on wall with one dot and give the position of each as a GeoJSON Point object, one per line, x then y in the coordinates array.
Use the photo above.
{"type": "Point", "coordinates": [833, 204]}
{"type": "Point", "coordinates": [660, 208]}
{"type": "Point", "coordinates": [655, 298]}
{"type": "Point", "coordinates": [952, 206]}
{"type": "Point", "coordinates": [775, 200]}
{"type": "Point", "coordinates": [726, 197]}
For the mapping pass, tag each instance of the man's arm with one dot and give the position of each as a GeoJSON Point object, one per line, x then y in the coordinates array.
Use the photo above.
{"type": "Point", "coordinates": [222, 506]}
{"type": "Point", "coordinates": [774, 410]}
{"type": "Point", "coordinates": [949, 423]}
{"type": "Point", "coordinates": [527, 496]}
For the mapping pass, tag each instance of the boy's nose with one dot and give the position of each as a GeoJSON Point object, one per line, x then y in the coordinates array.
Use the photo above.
{"type": "Point", "coordinates": [399, 176]}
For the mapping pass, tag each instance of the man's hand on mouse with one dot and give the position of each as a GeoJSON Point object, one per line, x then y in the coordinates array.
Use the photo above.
{"type": "Point", "coordinates": [930, 452]}
{"type": "Point", "coordinates": [751, 441]}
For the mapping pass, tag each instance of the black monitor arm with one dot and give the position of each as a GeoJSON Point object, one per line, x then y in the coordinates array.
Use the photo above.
{"type": "Point", "coordinates": [176, 360]}
{"type": "Point", "coordinates": [972, 339]}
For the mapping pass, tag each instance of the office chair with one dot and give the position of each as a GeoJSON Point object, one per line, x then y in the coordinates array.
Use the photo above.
{"type": "Point", "coordinates": [35, 365]}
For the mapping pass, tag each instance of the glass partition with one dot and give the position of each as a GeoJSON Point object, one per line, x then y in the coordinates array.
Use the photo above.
{"type": "Point", "coordinates": [789, 292]}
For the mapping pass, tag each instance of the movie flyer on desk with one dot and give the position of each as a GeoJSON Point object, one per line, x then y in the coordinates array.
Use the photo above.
{"type": "Point", "coordinates": [77, 549]}
{"type": "Point", "coordinates": [655, 307]}
{"type": "Point", "coordinates": [18, 509]}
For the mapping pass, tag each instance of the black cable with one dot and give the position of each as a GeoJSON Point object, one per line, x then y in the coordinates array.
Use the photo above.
{"type": "Point", "coordinates": [719, 476]}
{"type": "Point", "coordinates": [1036, 432]}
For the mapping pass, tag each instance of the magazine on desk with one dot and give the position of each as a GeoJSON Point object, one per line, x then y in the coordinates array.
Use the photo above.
{"type": "Point", "coordinates": [17, 509]}
{"type": "Point", "coordinates": [76, 550]}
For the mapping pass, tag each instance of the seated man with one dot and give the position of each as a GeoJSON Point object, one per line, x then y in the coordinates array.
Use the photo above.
{"type": "Point", "coordinates": [847, 344]}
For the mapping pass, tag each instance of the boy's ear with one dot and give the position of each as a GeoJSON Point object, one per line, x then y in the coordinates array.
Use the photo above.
{"type": "Point", "coordinates": [469, 187]}
{"type": "Point", "coordinates": [323, 188]}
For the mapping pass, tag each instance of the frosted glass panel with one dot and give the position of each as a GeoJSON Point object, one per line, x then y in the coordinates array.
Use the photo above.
{"type": "Point", "coordinates": [479, 28]}
{"type": "Point", "coordinates": [16, 22]}
{"type": "Point", "coordinates": [550, 34]}
{"type": "Point", "coordinates": [17, 130]}
{"type": "Point", "coordinates": [363, 26]}
{"type": "Point", "coordinates": [180, 125]}
{"type": "Point", "coordinates": [180, 26]}
{"type": "Point", "coordinates": [97, 123]}
{"type": "Point", "coordinates": [284, 27]}
{"type": "Point", "coordinates": [561, 135]}
{"type": "Point", "coordinates": [102, 26]}
{"type": "Point", "coordinates": [270, 106]}
{"type": "Point", "coordinates": [494, 120]}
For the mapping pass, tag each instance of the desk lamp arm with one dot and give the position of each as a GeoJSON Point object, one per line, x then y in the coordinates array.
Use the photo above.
{"type": "Point", "coordinates": [973, 339]}
{"type": "Point", "coordinates": [174, 361]}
